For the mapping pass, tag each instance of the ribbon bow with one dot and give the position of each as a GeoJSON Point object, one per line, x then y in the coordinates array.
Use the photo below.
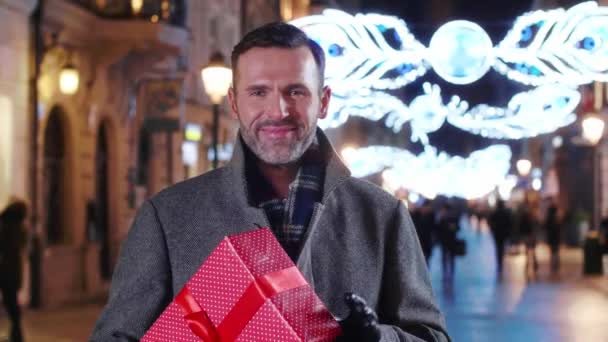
{"type": "Point", "coordinates": [260, 289]}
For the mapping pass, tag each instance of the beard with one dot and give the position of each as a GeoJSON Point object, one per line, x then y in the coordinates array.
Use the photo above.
{"type": "Point", "coordinates": [279, 151]}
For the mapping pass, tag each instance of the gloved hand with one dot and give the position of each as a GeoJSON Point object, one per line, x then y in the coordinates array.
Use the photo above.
{"type": "Point", "coordinates": [362, 322]}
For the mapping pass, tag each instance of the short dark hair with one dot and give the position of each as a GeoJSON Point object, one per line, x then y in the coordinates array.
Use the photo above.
{"type": "Point", "coordinates": [281, 35]}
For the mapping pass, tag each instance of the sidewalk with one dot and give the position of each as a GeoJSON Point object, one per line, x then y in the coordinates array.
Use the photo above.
{"type": "Point", "coordinates": [68, 324]}
{"type": "Point", "coordinates": [520, 307]}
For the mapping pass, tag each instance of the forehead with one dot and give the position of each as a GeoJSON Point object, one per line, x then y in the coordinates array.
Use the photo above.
{"type": "Point", "coordinates": [276, 64]}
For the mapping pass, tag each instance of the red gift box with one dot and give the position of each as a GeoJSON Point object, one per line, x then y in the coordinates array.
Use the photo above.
{"type": "Point", "coordinates": [247, 290]}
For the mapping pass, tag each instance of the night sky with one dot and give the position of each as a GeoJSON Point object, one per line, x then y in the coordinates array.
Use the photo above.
{"type": "Point", "coordinates": [494, 16]}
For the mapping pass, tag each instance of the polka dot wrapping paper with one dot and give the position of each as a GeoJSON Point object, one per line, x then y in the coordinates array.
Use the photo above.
{"type": "Point", "coordinates": [247, 290]}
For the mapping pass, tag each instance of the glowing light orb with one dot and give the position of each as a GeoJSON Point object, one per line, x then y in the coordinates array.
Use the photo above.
{"type": "Point", "coordinates": [537, 184]}
{"type": "Point", "coordinates": [461, 52]}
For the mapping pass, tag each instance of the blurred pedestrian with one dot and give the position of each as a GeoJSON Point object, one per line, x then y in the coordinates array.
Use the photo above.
{"type": "Point", "coordinates": [475, 216]}
{"type": "Point", "coordinates": [552, 227]}
{"type": "Point", "coordinates": [447, 228]}
{"type": "Point", "coordinates": [424, 221]}
{"type": "Point", "coordinates": [604, 233]}
{"type": "Point", "coordinates": [13, 239]}
{"type": "Point", "coordinates": [501, 224]}
{"type": "Point", "coordinates": [527, 230]}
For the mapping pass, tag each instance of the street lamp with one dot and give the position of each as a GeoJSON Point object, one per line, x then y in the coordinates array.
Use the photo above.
{"type": "Point", "coordinates": [69, 79]}
{"type": "Point", "coordinates": [593, 128]}
{"type": "Point", "coordinates": [593, 131]}
{"type": "Point", "coordinates": [523, 167]}
{"type": "Point", "coordinates": [217, 77]}
{"type": "Point", "coordinates": [136, 6]}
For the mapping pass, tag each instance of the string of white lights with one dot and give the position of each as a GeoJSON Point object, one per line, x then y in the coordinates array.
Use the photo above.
{"type": "Point", "coordinates": [528, 114]}
{"type": "Point", "coordinates": [557, 46]}
{"type": "Point", "coordinates": [431, 173]}
{"type": "Point", "coordinates": [359, 55]}
{"type": "Point", "coordinates": [538, 111]}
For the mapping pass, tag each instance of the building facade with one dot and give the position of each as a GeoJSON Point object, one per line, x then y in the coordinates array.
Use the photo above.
{"type": "Point", "coordinates": [85, 160]}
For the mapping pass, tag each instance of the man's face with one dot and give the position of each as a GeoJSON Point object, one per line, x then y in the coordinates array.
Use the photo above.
{"type": "Point", "coordinates": [277, 101]}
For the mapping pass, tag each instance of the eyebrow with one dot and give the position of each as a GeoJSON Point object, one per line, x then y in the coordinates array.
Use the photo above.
{"type": "Point", "coordinates": [257, 87]}
{"type": "Point", "coordinates": [265, 87]}
{"type": "Point", "coordinates": [296, 85]}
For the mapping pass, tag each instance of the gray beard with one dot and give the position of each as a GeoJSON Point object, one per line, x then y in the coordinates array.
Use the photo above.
{"type": "Point", "coordinates": [296, 150]}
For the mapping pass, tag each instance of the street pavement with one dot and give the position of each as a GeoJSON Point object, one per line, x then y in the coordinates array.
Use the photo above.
{"type": "Point", "coordinates": [520, 306]}
{"type": "Point", "coordinates": [478, 305]}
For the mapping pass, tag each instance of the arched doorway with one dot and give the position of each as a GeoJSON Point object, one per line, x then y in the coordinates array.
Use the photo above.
{"type": "Point", "coordinates": [54, 168]}
{"type": "Point", "coordinates": [101, 206]}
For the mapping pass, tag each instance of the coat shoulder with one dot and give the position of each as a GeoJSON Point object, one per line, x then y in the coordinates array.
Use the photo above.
{"type": "Point", "coordinates": [186, 191]}
{"type": "Point", "coordinates": [355, 189]}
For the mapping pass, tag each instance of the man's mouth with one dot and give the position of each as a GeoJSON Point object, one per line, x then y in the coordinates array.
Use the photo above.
{"type": "Point", "coordinates": [277, 131]}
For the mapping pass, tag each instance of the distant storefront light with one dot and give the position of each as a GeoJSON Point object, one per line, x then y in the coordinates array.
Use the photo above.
{"type": "Point", "coordinates": [136, 6]}
{"type": "Point", "coordinates": [593, 128]}
{"type": "Point", "coordinates": [537, 184]}
{"type": "Point", "coordinates": [193, 132]}
{"type": "Point", "coordinates": [536, 173]}
{"type": "Point", "coordinates": [190, 153]}
{"type": "Point", "coordinates": [557, 141]}
{"type": "Point", "coordinates": [224, 152]}
{"type": "Point", "coordinates": [523, 167]}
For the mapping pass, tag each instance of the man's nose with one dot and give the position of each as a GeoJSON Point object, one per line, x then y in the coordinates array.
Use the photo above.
{"type": "Point", "coordinates": [278, 108]}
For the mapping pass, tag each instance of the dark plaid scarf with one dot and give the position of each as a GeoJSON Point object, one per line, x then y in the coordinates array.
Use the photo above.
{"type": "Point", "coordinates": [289, 218]}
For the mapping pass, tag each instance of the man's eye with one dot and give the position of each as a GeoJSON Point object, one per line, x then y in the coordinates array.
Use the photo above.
{"type": "Point", "coordinates": [257, 93]}
{"type": "Point", "coordinates": [296, 92]}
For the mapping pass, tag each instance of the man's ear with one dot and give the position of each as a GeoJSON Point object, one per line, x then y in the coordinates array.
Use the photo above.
{"type": "Point", "coordinates": [325, 97]}
{"type": "Point", "coordinates": [232, 99]}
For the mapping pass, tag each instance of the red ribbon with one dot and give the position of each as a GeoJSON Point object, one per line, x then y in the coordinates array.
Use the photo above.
{"type": "Point", "coordinates": [262, 288]}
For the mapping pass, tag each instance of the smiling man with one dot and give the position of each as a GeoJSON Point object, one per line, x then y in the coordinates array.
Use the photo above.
{"type": "Point", "coordinates": [280, 101]}
{"type": "Point", "coordinates": [354, 243]}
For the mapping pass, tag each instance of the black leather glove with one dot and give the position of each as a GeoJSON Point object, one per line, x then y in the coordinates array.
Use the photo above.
{"type": "Point", "coordinates": [362, 322]}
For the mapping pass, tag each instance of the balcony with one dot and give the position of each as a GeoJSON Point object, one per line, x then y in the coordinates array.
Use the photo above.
{"type": "Point", "coordinates": [111, 23]}
{"type": "Point", "coordinates": [172, 12]}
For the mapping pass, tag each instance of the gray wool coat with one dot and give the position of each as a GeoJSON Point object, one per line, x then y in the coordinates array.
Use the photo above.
{"type": "Point", "coordinates": [360, 239]}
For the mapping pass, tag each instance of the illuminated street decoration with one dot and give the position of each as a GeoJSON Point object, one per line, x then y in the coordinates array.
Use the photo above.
{"type": "Point", "coordinates": [368, 54]}
{"type": "Point", "coordinates": [460, 52]}
{"type": "Point", "coordinates": [538, 111]}
{"type": "Point", "coordinates": [528, 114]}
{"type": "Point", "coordinates": [373, 105]}
{"type": "Point", "coordinates": [431, 173]}
{"type": "Point", "coordinates": [569, 47]}
{"type": "Point", "coordinates": [378, 51]}
{"type": "Point", "coordinates": [365, 50]}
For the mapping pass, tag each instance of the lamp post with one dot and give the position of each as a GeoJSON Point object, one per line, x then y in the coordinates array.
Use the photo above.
{"type": "Point", "coordinates": [217, 77]}
{"type": "Point", "coordinates": [593, 130]}
{"type": "Point", "coordinates": [523, 167]}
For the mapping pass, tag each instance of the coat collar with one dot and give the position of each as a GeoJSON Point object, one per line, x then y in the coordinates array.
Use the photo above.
{"type": "Point", "coordinates": [335, 170]}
